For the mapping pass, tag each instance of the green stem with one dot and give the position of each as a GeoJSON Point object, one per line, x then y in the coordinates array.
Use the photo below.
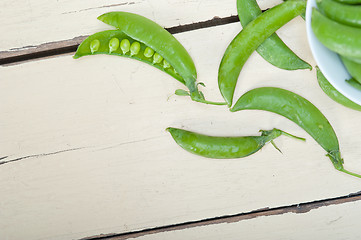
{"type": "Point", "coordinates": [350, 173]}
{"type": "Point", "coordinates": [209, 102]}
{"type": "Point", "coordinates": [292, 136]}
{"type": "Point", "coordinates": [275, 146]}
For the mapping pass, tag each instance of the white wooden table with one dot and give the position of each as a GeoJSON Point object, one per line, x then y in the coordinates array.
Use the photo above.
{"type": "Point", "coordinates": [85, 155]}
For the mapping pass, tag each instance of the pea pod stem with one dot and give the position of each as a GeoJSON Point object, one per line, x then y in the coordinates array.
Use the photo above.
{"type": "Point", "coordinates": [300, 111]}
{"type": "Point", "coordinates": [249, 39]}
{"type": "Point", "coordinates": [350, 173]}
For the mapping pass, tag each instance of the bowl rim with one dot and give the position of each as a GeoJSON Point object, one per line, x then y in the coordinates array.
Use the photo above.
{"type": "Point", "coordinates": [329, 62]}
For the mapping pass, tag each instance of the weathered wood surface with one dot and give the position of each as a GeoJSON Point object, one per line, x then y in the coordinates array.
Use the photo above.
{"type": "Point", "coordinates": [84, 150]}
{"type": "Point", "coordinates": [32, 23]}
{"type": "Point", "coordinates": [333, 222]}
{"type": "Point", "coordinates": [88, 154]}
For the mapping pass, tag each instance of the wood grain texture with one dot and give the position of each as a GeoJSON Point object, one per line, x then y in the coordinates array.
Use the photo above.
{"type": "Point", "coordinates": [92, 156]}
{"type": "Point", "coordinates": [333, 222]}
{"type": "Point", "coordinates": [214, 223]}
{"type": "Point", "coordinates": [37, 22]}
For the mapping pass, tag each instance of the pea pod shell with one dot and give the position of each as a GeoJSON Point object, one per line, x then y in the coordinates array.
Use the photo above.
{"type": "Point", "coordinates": [156, 37]}
{"type": "Point", "coordinates": [221, 147]}
{"type": "Point", "coordinates": [353, 68]}
{"type": "Point", "coordinates": [342, 39]}
{"type": "Point", "coordinates": [354, 83]}
{"type": "Point", "coordinates": [125, 41]}
{"type": "Point", "coordinates": [297, 109]}
{"type": "Point", "coordinates": [350, 1]}
{"type": "Point", "coordinates": [334, 94]}
{"type": "Point", "coordinates": [249, 39]}
{"type": "Point", "coordinates": [273, 49]}
{"type": "Point", "coordinates": [342, 13]}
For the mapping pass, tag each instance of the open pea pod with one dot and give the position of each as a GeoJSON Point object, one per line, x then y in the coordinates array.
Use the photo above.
{"type": "Point", "coordinates": [116, 42]}
{"type": "Point", "coordinates": [300, 111]}
{"type": "Point", "coordinates": [156, 37]}
{"type": "Point", "coordinates": [140, 38]}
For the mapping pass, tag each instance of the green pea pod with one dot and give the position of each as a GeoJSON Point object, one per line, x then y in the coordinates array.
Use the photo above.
{"type": "Point", "coordinates": [273, 49]}
{"type": "Point", "coordinates": [104, 47]}
{"type": "Point", "coordinates": [249, 39]}
{"type": "Point", "coordinates": [333, 93]}
{"type": "Point", "coordinates": [340, 12]}
{"type": "Point", "coordinates": [353, 68]}
{"type": "Point", "coordinates": [303, 14]}
{"type": "Point", "coordinates": [342, 39]}
{"type": "Point", "coordinates": [354, 83]}
{"type": "Point", "coordinates": [144, 40]}
{"type": "Point", "coordinates": [156, 37]}
{"type": "Point", "coordinates": [350, 1]}
{"type": "Point", "coordinates": [300, 111]}
{"type": "Point", "coordinates": [224, 147]}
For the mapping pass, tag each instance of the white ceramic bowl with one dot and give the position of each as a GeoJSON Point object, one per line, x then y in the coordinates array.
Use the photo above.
{"type": "Point", "coordinates": [329, 62]}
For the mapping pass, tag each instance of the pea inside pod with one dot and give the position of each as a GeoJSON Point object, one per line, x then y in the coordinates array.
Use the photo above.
{"type": "Point", "coordinates": [225, 147]}
{"type": "Point", "coordinates": [162, 42]}
{"type": "Point", "coordinates": [300, 111]}
{"type": "Point", "coordinates": [104, 43]}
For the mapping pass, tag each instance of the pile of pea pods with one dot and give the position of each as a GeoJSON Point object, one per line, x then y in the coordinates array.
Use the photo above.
{"type": "Point", "coordinates": [337, 24]}
{"type": "Point", "coordinates": [139, 38]}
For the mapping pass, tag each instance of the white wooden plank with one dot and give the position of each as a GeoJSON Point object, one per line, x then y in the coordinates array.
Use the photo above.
{"type": "Point", "coordinates": [34, 22]}
{"type": "Point", "coordinates": [332, 222]}
{"type": "Point", "coordinates": [120, 171]}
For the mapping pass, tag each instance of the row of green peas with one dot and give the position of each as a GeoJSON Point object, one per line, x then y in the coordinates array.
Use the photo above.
{"type": "Point", "coordinates": [132, 49]}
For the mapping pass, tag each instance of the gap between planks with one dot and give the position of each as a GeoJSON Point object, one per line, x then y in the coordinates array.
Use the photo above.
{"type": "Point", "coordinates": [46, 50]}
{"type": "Point", "coordinates": [295, 208]}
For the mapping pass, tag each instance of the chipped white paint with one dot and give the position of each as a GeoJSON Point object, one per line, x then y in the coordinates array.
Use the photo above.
{"type": "Point", "coordinates": [26, 24]}
{"type": "Point", "coordinates": [332, 223]}
{"type": "Point", "coordinates": [96, 158]}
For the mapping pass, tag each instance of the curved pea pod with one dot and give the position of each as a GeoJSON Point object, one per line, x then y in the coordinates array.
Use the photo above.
{"type": "Point", "coordinates": [300, 111]}
{"type": "Point", "coordinates": [350, 1]}
{"type": "Point", "coordinates": [249, 39]}
{"type": "Point", "coordinates": [224, 147]}
{"type": "Point", "coordinates": [105, 44]}
{"type": "Point", "coordinates": [342, 13]}
{"type": "Point", "coordinates": [354, 83]}
{"type": "Point", "coordinates": [156, 37]}
{"type": "Point", "coordinates": [342, 39]}
{"type": "Point", "coordinates": [353, 68]}
{"type": "Point", "coordinates": [273, 49]}
{"type": "Point", "coordinates": [333, 93]}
